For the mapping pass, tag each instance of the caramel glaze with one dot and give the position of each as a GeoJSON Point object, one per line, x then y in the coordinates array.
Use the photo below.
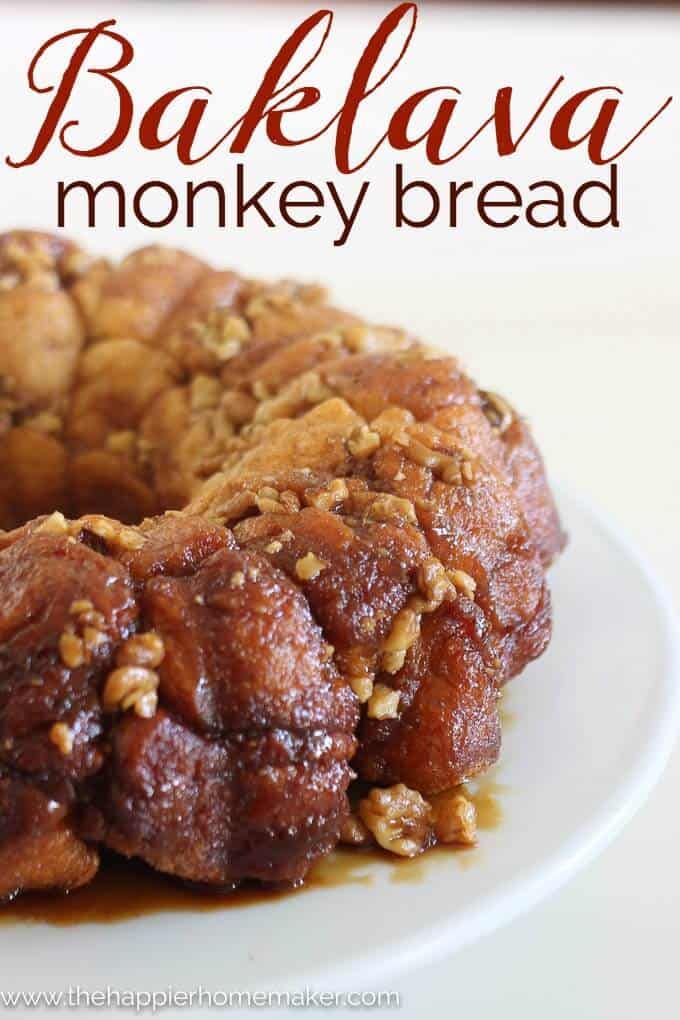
{"type": "Point", "coordinates": [124, 890]}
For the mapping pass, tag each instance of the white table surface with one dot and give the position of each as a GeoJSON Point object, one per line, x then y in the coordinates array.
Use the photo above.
{"type": "Point", "coordinates": [581, 330]}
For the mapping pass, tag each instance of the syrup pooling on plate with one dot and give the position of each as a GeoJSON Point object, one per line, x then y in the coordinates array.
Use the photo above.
{"type": "Point", "coordinates": [125, 890]}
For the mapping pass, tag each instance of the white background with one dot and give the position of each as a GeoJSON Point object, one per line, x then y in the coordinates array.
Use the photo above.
{"type": "Point", "coordinates": [579, 326]}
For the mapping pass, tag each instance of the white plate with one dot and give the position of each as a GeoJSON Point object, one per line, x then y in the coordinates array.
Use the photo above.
{"type": "Point", "coordinates": [593, 724]}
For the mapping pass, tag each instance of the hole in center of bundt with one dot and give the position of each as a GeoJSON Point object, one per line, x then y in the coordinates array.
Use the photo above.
{"type": "Point", "coordinates": [100, 484]}
{"type": "Point", "coordinates": [38, 476]}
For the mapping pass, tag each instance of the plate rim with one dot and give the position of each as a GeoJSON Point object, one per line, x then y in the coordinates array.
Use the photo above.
{"type": "Point", "coordinates": [402, 952]}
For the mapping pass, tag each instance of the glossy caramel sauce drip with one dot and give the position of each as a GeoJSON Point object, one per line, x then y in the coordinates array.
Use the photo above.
{"type": "Point", "coordinates": [124, 890]}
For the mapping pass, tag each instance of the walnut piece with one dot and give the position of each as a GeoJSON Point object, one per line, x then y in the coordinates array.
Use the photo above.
{"type": "Point", "coordinates": [131, 687]}
{"type": "Point", "coordinates": [392, 508]}
{"type": "Point", "coordinates": [404, 633]}
{"type": "Point", "coordinates": [309, 567]}
{"type": "Point", "coordinates": [455, 819]}
{"type": "Point", "coordinates": [62, 737]}
{"type": "Point", "coordinates": [71, 650]}
{"type": "Point", "coordinates": [363, 442]}
{"type": "Point", "coordinates": [383, 703]}
{"type": "Point", "coordinates": [463, 582]}
{"type": "Point", "coordinates": [400, 819]}
{"type": "Point", "coordinates": [142, 650]}
{"type": "Point", "coordinates": [354, 832]}
{"type": "Point", "coordinates": [362, 687]}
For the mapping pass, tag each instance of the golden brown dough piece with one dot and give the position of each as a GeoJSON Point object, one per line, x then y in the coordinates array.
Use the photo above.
{"type": "Point", "coordinates": [168, 695]}
{"type": "Point", "coordinates": [328, 506]}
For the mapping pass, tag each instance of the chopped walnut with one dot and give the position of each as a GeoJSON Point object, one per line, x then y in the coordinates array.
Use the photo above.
{"type": "Point", "coordinates": [110, 531]}
{"type": "Point", "coordinates": [267, 500]}
{"type": "Point", "coordinates": [123, 443]}
{"type": "Point", "coordinates": [285, 296]}
{"type": "Point", "coordinates": [100, 526]}
{"type": "Point", "coordinates": [463, 582]}
{"type": "Point", "coordinates": [71, 650]}
{"type": "Point", "coordinates": [363, 442]}
{"type": "Point", "coordinates": [392, 662]}
{"type": "Point", "coordinates": [81, 606]}
{"type": "Point", "coordinates": [366, 340]}
{"type": "Point", "coordinates": [93, 638]}
{"type": "Point", "coordinates": [62, 736]}
{"type": "Point", "coordinates": [55, 524]}
{"type": "Point", "coordinates": [131, 687]}
{"type": "Point", "coordinates": [451, 473]}
{"type": "Point", "coordinates": [455, 819]}
{"type": "Point", "coordinates": [467, 471]}
{"type": "Point", "coordinates": [91, 618]}
{"type": "Point", "coordinates": [354, 833]}
{"type": "Point", "coordinates": [356, 339]}
{"type": "Point", "coordinates": [497, 410]}
{"type": "Point", "coordinates": [451, 468]}
{"type": "Point", "coordinates": [383, 703]}
{"type": "Point", "coordinates": [237, 579]}
{"type": "Point", "coordinates": [260, 391]}
{"type": "Point", "coordinates": [423, 455]}
{"type": "Point", "coordinates": [399, 819]}
{"type": "Point", "coordinates": [434, 582]}
{"type": "Point", "coordinates": [309, 567]}
{"type": "Point", "coordinates": [391, 508]}
{"type": "Point", "coordinates": [290, 501]}
{"type": "Point", "coordinates": [392, 424]}
{"type": "Point", "coordinates": [304, 392]}
{"type": "Point", "coordinates": [405, 631]}
{"type": "Point", "coordinates": [222, 334]}
{"type": "Point", "coordinates": [362, 687]}
{"type": "Point", "coordinates": [32, 263]}
{"type": "Point", "coordinates": [326, 499]}
{"type": "Point", "coordinates": [459, 467]}
{"type": "Point", "coordinates": [273, 547]}
{"type": "Point", "coordinates": [145, 649]}
{"type": "Point", "coordinates": [46, 422]}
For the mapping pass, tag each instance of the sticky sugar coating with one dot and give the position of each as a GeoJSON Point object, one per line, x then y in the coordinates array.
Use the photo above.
{"type": "Point", "coordinates": [249, 540]}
